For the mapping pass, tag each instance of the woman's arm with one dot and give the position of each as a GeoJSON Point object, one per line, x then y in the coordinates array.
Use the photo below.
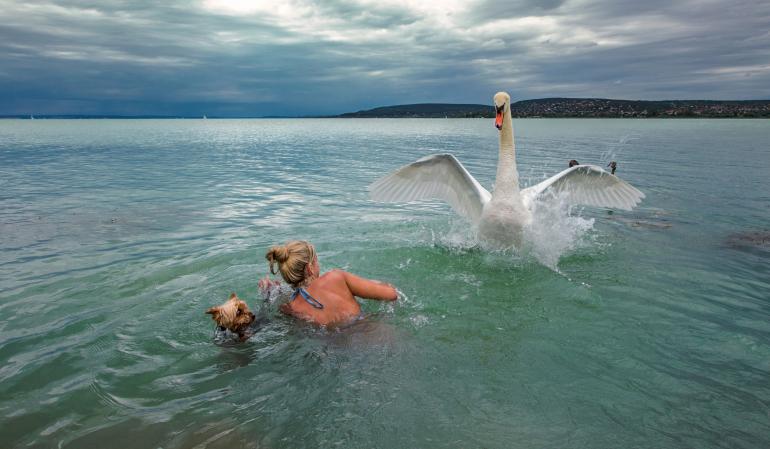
{"type": "Point", "coordinates": [286, 309]}
{"type": "Point", "coordinates": [366, 288]}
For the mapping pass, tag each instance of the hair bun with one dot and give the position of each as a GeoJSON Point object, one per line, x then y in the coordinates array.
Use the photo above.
{"type": "Point", "coordinates": [277, 255]}
{"type": "Point", "coordinates": [292, 260]}
{"type": "Point", "coordinates": [280, 254]}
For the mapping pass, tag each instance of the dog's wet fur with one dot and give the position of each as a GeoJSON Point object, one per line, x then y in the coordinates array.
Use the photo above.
{"type": "Point", "coordinates": [235, 316]}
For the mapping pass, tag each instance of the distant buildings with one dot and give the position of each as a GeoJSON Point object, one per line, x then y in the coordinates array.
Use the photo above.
{"type": "Point", "coordinates": [580, 107]}
{"type": "Point", "coordinates": [597, 107]}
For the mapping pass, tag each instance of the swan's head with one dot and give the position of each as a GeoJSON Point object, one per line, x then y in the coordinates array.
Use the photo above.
{"type": "Point", "coordinates": [502, 105]}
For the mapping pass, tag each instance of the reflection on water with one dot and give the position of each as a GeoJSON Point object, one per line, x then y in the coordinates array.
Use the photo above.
{"type": "Point", "coordinates": [612, 329]}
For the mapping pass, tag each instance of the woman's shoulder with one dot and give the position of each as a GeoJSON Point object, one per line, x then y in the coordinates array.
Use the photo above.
{"type": "Point", "coordinates": [336, 280]}
{"type": "Point", "coordinates": [335, 275]}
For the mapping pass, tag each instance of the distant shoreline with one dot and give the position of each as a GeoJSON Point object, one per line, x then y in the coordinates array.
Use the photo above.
{"type": "Point", "coordinates": [540, 108]}
{"type": "Point", "coordinates": [580, 108]}
{"type": "Point", "coordinates": [326, 117]}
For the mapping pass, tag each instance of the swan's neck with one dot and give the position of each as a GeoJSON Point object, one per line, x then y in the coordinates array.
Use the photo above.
{"type": "Point", "coordinates": [507, 180]}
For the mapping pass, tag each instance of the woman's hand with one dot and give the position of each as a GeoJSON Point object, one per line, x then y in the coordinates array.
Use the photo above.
{"type": "Point", "coordinates": [267, 283]}
{"type": "Point", "coordinates": [266, 287]}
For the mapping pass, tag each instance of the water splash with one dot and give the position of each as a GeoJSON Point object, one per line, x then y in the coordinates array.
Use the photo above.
{"type": "Point", "coordinates": [556, 229]}
{"type": "Point", "coordinates": [615, 151]}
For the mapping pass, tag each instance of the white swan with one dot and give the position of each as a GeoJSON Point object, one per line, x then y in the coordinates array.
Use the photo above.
{"type": "Point", "coordinates": [500, 217]}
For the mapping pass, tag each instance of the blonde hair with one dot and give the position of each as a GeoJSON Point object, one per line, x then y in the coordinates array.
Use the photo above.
{"type": "Point", "coordinates": [292, 260]}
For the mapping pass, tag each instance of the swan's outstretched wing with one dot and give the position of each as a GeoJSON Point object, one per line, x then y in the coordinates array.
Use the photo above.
{"type": "Point", "coordinates": [588, 185]}
{"type": "Point", "coordinates": [439, 176]}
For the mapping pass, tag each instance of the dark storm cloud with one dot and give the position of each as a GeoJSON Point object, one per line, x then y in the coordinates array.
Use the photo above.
{"type": "Point", "coordinates": [296, 58]}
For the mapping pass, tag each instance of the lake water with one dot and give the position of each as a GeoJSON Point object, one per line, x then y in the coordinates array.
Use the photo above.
{"type": "Point", "coordinates": [648, 328]}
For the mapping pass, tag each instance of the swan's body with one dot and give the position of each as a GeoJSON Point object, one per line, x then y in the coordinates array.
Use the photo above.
{"type": "Point", "coordinates": [501, 216]}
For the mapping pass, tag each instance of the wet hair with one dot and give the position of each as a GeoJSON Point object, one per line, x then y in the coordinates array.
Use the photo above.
{"type": "Point", "coordinates": [292, 260]}
{"type": "Point", "coordinates": [573, 162]}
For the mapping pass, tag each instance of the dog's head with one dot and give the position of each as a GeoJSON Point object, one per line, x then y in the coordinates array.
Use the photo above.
{"type": "Point", "coordinates": [233, 314]}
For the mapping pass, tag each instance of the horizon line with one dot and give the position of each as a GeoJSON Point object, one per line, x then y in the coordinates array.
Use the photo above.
{"type": "Point", "coordinates": [28, 116]}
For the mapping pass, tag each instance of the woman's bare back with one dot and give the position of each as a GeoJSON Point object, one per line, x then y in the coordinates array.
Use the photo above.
{"type": "Point", "coordinates": [336, 292]}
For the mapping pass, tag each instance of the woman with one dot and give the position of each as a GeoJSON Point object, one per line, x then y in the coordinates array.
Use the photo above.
{"type": "Point", "coordinates": [327, 299]}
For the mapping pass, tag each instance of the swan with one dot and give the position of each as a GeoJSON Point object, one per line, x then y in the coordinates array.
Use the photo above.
{"type": "Point", "coordinates": [501, 217]}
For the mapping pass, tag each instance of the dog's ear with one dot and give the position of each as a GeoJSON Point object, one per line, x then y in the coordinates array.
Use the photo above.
{"type": "Point", "coordinates": [213, 311]}
{"type": "Point", "coordinates": [233, 295]}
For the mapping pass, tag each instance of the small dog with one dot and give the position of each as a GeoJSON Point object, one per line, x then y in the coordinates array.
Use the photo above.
{"type": "Point", "coordinates": [235, 316]}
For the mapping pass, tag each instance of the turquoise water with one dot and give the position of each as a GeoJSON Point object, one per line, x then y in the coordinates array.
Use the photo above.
{"type": "Point", "coordinates": [637, 329]}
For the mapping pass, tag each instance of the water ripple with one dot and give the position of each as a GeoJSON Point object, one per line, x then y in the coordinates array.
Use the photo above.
{"type": "Point", "coordinates": [649, 329]}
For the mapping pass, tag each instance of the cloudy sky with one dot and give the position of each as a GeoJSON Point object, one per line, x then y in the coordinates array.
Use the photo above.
{"type": "Point", "coordinates": [297, 57]}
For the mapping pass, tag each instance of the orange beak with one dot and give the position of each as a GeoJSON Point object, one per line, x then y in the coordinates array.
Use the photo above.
{"type": "Point", "coordinates": [499, 120]}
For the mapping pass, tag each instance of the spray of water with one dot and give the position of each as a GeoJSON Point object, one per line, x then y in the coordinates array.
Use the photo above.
{"type": "Point", "coordinates": [613, 152]}
{"type": "Point", "coordinates": [556, 229]}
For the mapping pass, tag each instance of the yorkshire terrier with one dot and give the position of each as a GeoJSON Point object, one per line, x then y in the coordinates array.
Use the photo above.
{"type": "Point", "coordinates": [234, 315]}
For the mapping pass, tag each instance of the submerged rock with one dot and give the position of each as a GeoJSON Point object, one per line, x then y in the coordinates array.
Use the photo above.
{"type": "Point", "coordinates": [643, 223]}
{"type": "Point", "coordinates": [750, 238]}
{"type": "Point", "coordinates": [650, 224]}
